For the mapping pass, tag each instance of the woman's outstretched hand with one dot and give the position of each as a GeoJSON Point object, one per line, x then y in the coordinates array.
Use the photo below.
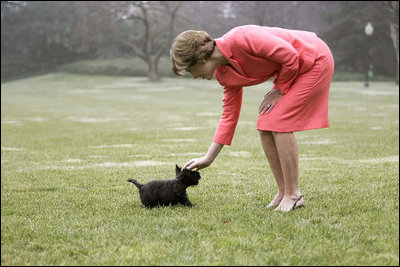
{"type": "Point", "coordinates": [203, 162]}
{"type": "Point", "coordinates": [270, 100]}
{"type": "Point", "coordinates": [197, 164]}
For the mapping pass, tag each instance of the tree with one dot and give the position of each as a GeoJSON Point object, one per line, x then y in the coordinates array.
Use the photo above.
{"type": "Point", "coordinates": [146, 27]}
{"type": "Point", "coordinates": [35, 36]}
{"type": "Point", "coordinates": [392, 8]}
{"type": "Point", "coordinates": [353, 50]}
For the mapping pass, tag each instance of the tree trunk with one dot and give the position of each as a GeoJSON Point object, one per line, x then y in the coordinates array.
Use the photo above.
{"type": "Point", "coordinates": [394, 33]}
{"type": "Point", "coordinates": [153, 69]}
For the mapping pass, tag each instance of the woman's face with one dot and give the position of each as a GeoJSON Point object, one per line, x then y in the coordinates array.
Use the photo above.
{"type": "Point", "coordinates": [203, 69]}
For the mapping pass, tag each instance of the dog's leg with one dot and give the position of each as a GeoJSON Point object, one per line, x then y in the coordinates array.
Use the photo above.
{"type": "Point", "coordinates": [186, 202]}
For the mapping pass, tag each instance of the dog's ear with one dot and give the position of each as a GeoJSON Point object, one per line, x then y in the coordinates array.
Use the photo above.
{"type": "Point", "coordinates": [177, 169]}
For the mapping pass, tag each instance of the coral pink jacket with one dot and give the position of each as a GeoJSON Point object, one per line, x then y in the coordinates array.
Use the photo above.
{"type": "Point", "coordinates": [256, 54]}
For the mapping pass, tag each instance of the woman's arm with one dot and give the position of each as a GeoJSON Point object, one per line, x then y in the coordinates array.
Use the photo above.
{"type": "Point", "coordinates": [232, 102]}
{"type": "Point", "coordinates": [203, 162]}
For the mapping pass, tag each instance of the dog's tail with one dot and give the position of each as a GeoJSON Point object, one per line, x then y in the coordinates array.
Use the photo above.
{"type": "Point", "coordinates": [133, 181]}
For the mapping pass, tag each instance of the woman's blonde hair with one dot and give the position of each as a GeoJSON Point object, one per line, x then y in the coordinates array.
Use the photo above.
{"type": "Point", "coordinates": [188, 48]}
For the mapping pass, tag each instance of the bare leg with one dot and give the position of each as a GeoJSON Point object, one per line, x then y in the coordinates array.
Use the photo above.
{"type": "Point", "coordinates": [286, 146]}
{"type": "Point", "coordinates": [269, 147]}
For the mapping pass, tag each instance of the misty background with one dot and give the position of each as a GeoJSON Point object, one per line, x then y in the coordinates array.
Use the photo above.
{"type": "Point", "coordinates": [134, 37]}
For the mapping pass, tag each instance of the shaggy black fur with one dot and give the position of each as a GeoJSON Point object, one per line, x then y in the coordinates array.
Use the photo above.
{"type": "Point", "coordinates": [168, 192]}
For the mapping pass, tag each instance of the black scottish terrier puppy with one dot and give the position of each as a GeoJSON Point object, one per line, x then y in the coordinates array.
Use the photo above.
{"type": "Point", "coordinates": [168, 192]}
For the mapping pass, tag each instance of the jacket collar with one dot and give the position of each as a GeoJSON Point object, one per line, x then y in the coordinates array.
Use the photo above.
{"type": "Point", "coordinates": [226, 51]}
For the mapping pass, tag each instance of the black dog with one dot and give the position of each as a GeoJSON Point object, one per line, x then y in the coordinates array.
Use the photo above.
{"type": "Point", "coordinates": [168, 192]}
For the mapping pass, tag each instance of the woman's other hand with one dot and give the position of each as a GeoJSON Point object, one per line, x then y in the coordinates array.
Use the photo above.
{"type": "Point", "coordinates": [270, 100]}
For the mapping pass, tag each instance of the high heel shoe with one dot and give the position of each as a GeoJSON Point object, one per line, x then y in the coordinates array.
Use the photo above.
{"type": "Point", "coordinates": [272, 206]}
{"type": "Point", "coordinates": [298, 202]}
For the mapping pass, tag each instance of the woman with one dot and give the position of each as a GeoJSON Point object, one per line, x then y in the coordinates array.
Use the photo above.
{"type": "Point", "coordinates": [302, 67]}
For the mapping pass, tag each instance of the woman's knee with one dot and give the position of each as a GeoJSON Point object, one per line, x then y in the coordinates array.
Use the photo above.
{"type": "Point", "coordinates": [264, 133]}
{"type": "Point", "coordinates": [283, 134]}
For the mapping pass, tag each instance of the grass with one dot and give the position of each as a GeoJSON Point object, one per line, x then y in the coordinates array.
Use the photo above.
{"type": "Point", "coordinates": [69, 143]}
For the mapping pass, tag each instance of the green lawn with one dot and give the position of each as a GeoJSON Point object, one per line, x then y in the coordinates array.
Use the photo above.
{"type": "Point", "coordinates": [70, 142]}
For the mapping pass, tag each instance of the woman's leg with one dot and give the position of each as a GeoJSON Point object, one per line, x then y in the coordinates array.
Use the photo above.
{"type": "Point", "coordinates": [286, 146]}
{"type": "Point", "coordinates": [269, 147]}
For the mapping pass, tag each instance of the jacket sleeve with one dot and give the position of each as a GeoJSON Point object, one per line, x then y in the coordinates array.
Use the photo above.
{"type": "Point", "coordinates": [232, 102]}
{"type": "Point", "coordinates": [278, 50]}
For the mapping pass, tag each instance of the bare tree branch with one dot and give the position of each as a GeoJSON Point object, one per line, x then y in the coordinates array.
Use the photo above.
{"type": "Point", "coordinates": [150, 31]}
